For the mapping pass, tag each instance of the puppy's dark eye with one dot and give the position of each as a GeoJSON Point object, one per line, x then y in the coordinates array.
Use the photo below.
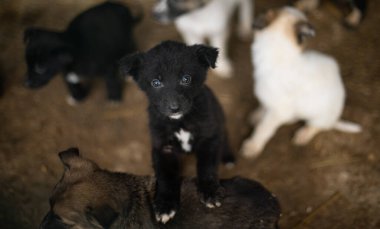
{"type": "Point", "coordinates": [156, 83]}
{"type": "Point", "coordinates": [186, 80]}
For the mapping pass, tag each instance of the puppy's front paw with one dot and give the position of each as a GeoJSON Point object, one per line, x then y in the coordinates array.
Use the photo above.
{"type": "Point", "coordinates": [212, 197]}
{"type": "Point", "coordinates": [71, 101]}
{"type": "Point", "coordinates": [164, 210]}
{"type": "Point", "coordinates": [165, 217]}
{"type": "Point", "coordinates": [250, 150]}
{"type": "Point", "coordinates": [353, 19]}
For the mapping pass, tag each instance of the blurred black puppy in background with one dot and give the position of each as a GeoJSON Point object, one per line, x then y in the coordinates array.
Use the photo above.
{"type": "Point", "coordinates": [90, 46]}
{"type": "Point", "coordinates": [184, 116]}
{"type": "Point", "coordinates": [354, 9]}
{"type": "Point", "coordinates": [89, 197]}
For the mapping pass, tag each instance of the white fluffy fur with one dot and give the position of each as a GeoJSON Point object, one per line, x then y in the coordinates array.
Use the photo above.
{"type": "Point", "coordinates": [292, 84]}
{"type": "Point", "coordinates": [211, 22]}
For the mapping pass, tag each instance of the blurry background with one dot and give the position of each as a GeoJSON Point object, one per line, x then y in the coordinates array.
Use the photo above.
{"type": "Point", "coordinates": [334, 182]}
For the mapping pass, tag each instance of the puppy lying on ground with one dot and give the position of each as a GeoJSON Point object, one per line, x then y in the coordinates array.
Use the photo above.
{"type": "Point", "coordinates": [292, 84]}
{"type": "Point", "coordinates": [90, 46]}
{"type": "Point", "coordinates": [184, 116]}
{"type": "Point", "coordinates": [356, 9]}
{"type": "Point", "coordinates": [89, 197]}
{"type": "Point", "coordinates": [198, 20]}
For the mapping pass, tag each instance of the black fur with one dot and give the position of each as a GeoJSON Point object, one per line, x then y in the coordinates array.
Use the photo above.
{"type": "Point", "coordinates": [90, 46]}
{"type": "Point", "coordinates": [90, 197]}
{"type": "Point", "coordinates": [202, 116]}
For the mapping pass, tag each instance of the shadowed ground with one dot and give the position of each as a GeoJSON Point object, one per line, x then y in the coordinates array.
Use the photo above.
{"type": "Point", "coordinates": [334, 182]}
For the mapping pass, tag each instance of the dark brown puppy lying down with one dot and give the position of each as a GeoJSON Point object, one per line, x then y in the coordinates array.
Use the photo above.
{"type": "Point", "coordinates": [90, 197]}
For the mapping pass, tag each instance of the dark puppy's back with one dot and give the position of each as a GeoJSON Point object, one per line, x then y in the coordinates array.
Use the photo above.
{"type": "Point", "coordinates": [104, 31]}
{"type": "Point", "coordinates": [247, 204]}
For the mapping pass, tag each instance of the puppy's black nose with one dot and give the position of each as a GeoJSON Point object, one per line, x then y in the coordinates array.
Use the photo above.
{"type": "Point", "coordinates": [174, 107]}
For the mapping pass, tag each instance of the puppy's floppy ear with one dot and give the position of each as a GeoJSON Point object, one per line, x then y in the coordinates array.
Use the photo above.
{"type": "Point", "coordinates": [264, 19]}
{"type": "Point", "coordinates": [103, 215]}
{"type": "Point", "coordinates": [304, 30]}
{"type": "Point", "coordinates": [67, 156]}
{"type": "Point", "coordinates": [130, 64]}
{"type": "Point", "coordinates": [207, 55]}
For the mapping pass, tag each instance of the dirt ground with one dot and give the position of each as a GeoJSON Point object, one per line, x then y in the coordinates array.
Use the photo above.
{"type": "Point", "coordinates": [333, 182]}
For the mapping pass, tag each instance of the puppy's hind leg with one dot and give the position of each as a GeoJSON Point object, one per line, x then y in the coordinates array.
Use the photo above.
{"type": "Point", "coordinates": [245, 19]}
{"type": "Point", "coordinates": [223, 66]}
{"type": "Point", "coordinates": [265, 129]}
{"type": "Point", "coordinates": [305, 134]}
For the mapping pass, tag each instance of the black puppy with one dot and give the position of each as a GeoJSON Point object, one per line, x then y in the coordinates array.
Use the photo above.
{"type": "Point", "coordinates": [184, 116]}
{"type": "Point", "coordinates": [90, 46]}
{"type": "Point", "coordinates": [89, 197]}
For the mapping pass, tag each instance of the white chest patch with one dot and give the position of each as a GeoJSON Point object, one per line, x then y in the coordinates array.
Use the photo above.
{"type": "Point", "coordinates": [72, 78]}
{"type": "Point", "coordinates": [184, 138]}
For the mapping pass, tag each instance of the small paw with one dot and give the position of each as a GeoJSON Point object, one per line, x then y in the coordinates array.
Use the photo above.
{"type": "Point", "coordinates": [164, 218]}
{"type": "Point", "coordinates": [353, 19]}
{"type": "Point", "coordinates": [229, 165]}
{"type": "Point", "coordinates": [213, 199]}
{"type": "Point", "coordinates": [165, 210]}
{"type": "Point", "coordinates": [71, 101]}
{"type": "Point", "coordinates": [250, 150]}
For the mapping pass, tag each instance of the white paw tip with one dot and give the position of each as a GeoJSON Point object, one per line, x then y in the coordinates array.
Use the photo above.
{"type": "Point", "coordinates": [210, 205]}
{"type": "Point", "coordinates": [164, 218]}
{"type": "Point", "coordinates": [218, 204]}
{"type": "Point", "coordinates": [71, 101]}
{"type": "Point", "coordinates": [230, 165]}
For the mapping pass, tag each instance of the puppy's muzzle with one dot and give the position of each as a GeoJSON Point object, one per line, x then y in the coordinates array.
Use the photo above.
{"type": "Point", "coordinates": [174, 107]}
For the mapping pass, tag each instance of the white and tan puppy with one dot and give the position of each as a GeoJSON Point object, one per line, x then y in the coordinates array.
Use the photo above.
{"type": "Point", "coordinates": [208, 20]}
{"type": "Point", "coordinates": [291, 83]}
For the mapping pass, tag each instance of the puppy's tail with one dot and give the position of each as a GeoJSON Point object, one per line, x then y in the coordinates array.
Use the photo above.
{"type": "Point", "coordinates": [346, 126]}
